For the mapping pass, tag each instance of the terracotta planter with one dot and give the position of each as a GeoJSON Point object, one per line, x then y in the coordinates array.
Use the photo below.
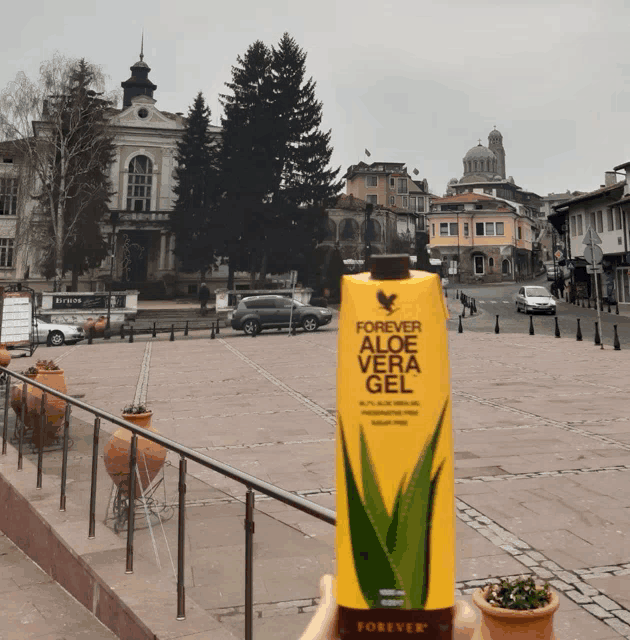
{"type": "Point", "coordinates": [150, 460]}
{"type": "Point", "coordinates": [54, 408]}
{"type": "Point", "coordinates": [504, 624]}
{"type": "Point", "coordinates": [15, 395]}
{"type": "Point", "coordinates": [98, 326]}
{"type": "Point", "coordinates": [5, 356]}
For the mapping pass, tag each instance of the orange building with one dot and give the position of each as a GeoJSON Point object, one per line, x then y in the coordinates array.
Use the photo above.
{"type": "Point", "coordinates": [480, 239]}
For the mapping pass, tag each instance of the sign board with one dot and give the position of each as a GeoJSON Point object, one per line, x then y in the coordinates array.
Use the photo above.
{"type": "Point", "coordinates": [77, 301]}
{"type": "Point", "coordinates": [558, 254]}
{"type": "Point", "coordinates": [17, 319]}
{"type": "Point", "coordinates": [293, 279]}
{"type": "Point", "coordinates": [591, 237]}
{"type": "Point", "coordinates": [594, 269]}
{"type": "Point", "coordinates": [593, 254]}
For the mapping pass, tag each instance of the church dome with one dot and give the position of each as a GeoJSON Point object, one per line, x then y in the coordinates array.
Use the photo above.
{"type": "Point", "coordinates": [479, 153]}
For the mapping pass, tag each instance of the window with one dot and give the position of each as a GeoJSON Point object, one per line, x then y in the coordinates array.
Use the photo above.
{"type": "Point", "coordinates": [479, 228]}
{"type": "Point", "coordinates": [448, 228]}
{"type": "Point", "coordinates": [499, 228]}
{"type": "Point", "coordinates": [412, 203]}
{"type": "Point", "coordinates": [371, 181]}
{"type": "Point", "coordinates": [392, 200]}
{"type": "Point", "coordinates": [402, 185]}
{"type": "Point", "coordinates": [489, 228]}
{"type": "Point", "coordinates": [372, 199]}
{"type": "Point", "coordinates": [610, 226]}
{"type": "Point", "coordinates": [8, 196]}
{"type": "Point", "coordinates": [405, 202]}
{"type": "Point", "coordinates": [479, 265]}
{"type": "Point", "coordinates": [420, 208]}
{"type": "Point", "coordinates": [617, 218]}
{"type": "Point", "coordinates": [580, 230]}
{"type": "Point", "coordinates": [591, 220]}
{"type": "Point", "coordinates": [392, 183]}
{"type": "Point", "coordinates": [466, 229]}
{"type": "Point", "coordinates": [600, 222]}
{"type": "Point", "coordinates": [261, 304]}
{"type": "Point", "coordinates": [491, 262]}
{"type": "Point", "coordinates": [572, 223]}
{"type": "Point", "coordinates": [6, 252]}
{"type": "Point", "coordinates": [520, 233]}
{"type": "Point", "coordinates": [478, 206]}
{"type": "Point", "coordinates": [349, 229]}
{"type": "Point", "coordinates": [139, 187]}
{"type": "Point", "coordinates": [433, 230]}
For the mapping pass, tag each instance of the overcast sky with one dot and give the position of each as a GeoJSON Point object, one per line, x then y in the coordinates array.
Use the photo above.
{"type": "Point", "coordinates": [415, 82]}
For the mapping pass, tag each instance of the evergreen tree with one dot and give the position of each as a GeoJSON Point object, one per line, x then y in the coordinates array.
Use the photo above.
{"type": "Point", "coordinates": [194, 216]}
{"type": "Point", "coordinates": [78, 186]}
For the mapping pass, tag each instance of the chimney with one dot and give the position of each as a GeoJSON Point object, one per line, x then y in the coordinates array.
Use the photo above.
{"type": "Point", "coordinates": [610, 178]}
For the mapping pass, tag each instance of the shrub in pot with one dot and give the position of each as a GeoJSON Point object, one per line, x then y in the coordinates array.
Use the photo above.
{"type": "Point", "coordinates": [518, 608]}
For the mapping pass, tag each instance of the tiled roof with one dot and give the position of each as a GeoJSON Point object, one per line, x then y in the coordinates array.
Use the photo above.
{"type": "Point", "coordinates": [589, 195]}
{"type": "Point", "coordinates": [463, 197]}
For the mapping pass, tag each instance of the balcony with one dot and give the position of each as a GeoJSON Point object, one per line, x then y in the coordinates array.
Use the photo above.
{"type": "Point", "coordinates": [145, 216]}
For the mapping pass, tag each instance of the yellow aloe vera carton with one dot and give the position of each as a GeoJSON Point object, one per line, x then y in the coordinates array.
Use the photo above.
{"type": "Point", "coordinates": [395, 533]}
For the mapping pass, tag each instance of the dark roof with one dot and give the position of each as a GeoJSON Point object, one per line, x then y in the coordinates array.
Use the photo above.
{"type": "Point", "coordinates": [350, 203]}
{"type": "Point", "coordinates": [463, 197]}
{"type": "Point", "coordinates": [589, 196]}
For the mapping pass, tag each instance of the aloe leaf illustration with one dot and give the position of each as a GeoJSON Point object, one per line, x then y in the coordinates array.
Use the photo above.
{"type": "Point", "coordinates": [427, 536]}
{"type": "Point", "coordinates": [414, 520]}
{"type": "Point", "coordinates": [372, 563]}
{"type": "Point", "coordinates": [392, 531]}
{"type": "Point", "coordinates": [372, 497]}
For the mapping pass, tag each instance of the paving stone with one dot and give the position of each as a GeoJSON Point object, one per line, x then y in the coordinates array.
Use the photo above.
{"type": "Point", "coordinates": [598, 611]}
{"type": "Point", "coordinates": [620, 627]}
{"type": "Point", "coordinates": [605, 602]}
{"type": "Point", "coordinates": [578, 597]}
{"type": "Point", "coordinates": [559, 585]}
{"type": "Point", "coordinates": [623, 614]}
{"type": "Point", "coordinates": [587, 590]}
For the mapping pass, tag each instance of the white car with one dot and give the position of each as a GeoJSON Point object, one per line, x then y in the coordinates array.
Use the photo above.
{"type": "Point", "coordinates": [59, 333]}
{"type": "Point", "coordinates": [530, 299]}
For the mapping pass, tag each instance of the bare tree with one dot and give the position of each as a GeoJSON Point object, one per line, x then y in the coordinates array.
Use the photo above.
{"type": "Point", "coordinates": [59, 127]}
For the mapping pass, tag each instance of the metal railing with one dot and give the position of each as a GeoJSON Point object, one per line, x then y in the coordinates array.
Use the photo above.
{"type": "Point", "coordinates": [251, 483]}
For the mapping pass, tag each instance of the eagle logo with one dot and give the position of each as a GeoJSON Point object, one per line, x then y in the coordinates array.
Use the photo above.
{"type": "Point", "coordinates": [387, 302]}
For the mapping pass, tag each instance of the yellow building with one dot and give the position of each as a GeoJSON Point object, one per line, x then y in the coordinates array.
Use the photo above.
{"type": "Point", "coordinates": [480, 239]}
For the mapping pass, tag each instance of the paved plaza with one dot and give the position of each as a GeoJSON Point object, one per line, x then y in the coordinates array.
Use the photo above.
{"type": "Point", "coordinates": [542, 449]}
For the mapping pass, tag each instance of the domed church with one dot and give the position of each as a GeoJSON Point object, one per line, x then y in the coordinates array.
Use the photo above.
{"type": "Point", "coordinates": [485, 164]}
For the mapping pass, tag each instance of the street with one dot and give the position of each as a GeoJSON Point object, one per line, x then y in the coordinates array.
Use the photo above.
{"type": "Point", "coordinates": [498, 299]}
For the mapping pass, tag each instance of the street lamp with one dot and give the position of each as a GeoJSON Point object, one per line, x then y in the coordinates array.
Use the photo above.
{"type": "Point", "coordinates": [113, 217]}
{"type": "Point", "coordinates": [368, 247]}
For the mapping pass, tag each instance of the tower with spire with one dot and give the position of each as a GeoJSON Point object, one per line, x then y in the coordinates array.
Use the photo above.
{"type": "Point", "coordinates": [495, 144]}
{"type": "Point", "coordinates": [139, 83]}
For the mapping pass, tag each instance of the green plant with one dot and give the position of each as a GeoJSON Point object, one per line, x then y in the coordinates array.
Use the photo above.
{"type": "Point", "coordinates": [398, 545]}
{"type": "Point", "coordinates": [31, 371]}
{"type": "Point", "coordinates": [135, 409]}
{"type": "Point", "coordinates": [47, 365]}
{"type": "Point", "coordinates": [520, 593]}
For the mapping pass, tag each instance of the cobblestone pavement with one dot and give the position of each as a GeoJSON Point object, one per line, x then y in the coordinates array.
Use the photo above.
{"type": "Point", "coordinates": [542, 447]}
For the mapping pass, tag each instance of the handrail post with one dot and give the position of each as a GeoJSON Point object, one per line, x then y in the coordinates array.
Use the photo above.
{"type": "Point", "coordinates": [22, 427]}
{"type": "Point", "coordinates": [64, 460]}
{"type": "Point", "coordinates": [40, 453]}
{"type": "Point", "coordinates": [5, 426]}
{"type": "Point", "coordinates": [95, 439]}
{"type": "Point", "coordinates": [249, 563]}
{"type": "Point", "coordinates": [181, 541]}
{"type": "Point", "coordinates": [131, 514]}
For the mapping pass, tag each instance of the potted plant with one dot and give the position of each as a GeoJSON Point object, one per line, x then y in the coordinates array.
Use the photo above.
{"type": "Point", "coordinates": [150, 456]}
{"type": "Point", "coordinates": [50, 375]}
{"type": "Point", "coordinates": [516, 607]}
{"type": "Point", "coordinates": [16, 390]}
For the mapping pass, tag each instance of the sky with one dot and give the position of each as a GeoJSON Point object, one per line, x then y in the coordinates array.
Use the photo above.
{"type": "Point", "coordinates": [415, 82]}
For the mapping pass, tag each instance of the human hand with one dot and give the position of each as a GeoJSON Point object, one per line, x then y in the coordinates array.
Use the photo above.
{"type": "Point", "coordinates": [323, 625]}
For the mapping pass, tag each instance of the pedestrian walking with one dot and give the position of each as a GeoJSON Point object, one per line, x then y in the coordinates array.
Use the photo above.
{"type": "Point", "coordinates": [554, 289]}
{"type": "Point", "coordinates": [561, 287]}
{"type": "Point", "coordinates": [204, 296]}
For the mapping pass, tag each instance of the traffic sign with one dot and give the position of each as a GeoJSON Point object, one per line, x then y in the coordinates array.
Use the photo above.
{"type": "Point", "coordinates": [594, 269]}
{"type": "Point", "coordinates": [558, 254]}
{"type": "Point", "coordinates": [593, 254]}
{"type": "Point", "coordinates": [591, 237]}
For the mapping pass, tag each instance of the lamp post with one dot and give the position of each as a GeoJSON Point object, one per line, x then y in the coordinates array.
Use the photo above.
{"type": "Point", "coordinates": [113, 217]}
{"type": "Point", "coordinates": [368, 247]}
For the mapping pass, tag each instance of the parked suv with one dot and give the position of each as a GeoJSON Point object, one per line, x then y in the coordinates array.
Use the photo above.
{"type": "Point", "coordinates": [255, 313]}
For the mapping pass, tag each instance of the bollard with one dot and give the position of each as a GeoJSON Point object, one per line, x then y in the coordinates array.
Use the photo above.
{"type": "Point", "coordinates": [496, 326]}
{"type": "Point", "coordinates": [475, 304]}
{"type": "Point", "coordinates": [616, 340]}
{"type": "Point", "coordinates": [557, 328]}
{"type": "Point", "coordinates": [578, 335]}
{"type": "Point", "coordinates": [131, 334]}
{"type": "Point", "coordinates": [212, 332]}
{"type": "Point", "coordinates": [597, 338]}
{"type": "Point", "coordinates": [460, 329]}
{"type": "Point", "coordinates": [617, 307]}
{"type": "Point", "coordinates": [463, 312]}
{"type": "Point", "coordinates": [471, 306]}
{"type": "Point", "coordinates": [186, 329]}
{"type": "Point", "coordinates": [457, 295]}
{"type": "Point", "coordinates": [601, 304]}
{"type": "Point", "coordinates": [446, 293]}
{"type": "Point", "coordinates": [48, 342]}
{"type": "Point", "coordinates": [218, 332]}
{"type": "Point", "coordinates": [582, 303]}
{"type": "Point", "coordinates": [608, 306]}
{"type": "Point", "coordinates": [90, 335]}
{"type": "Point", "coordinates": [294, 330]}
{"type": "Point", "coordinates": [589, 303]}
{"type": "Point", "coordinates": [122, 331]}
{"type": "Point", "coordinates": [531, 325]}
{"type": "Point", "coordinates": [154, 334]}
{"type": "Point", "coordinates": [172, 338]}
